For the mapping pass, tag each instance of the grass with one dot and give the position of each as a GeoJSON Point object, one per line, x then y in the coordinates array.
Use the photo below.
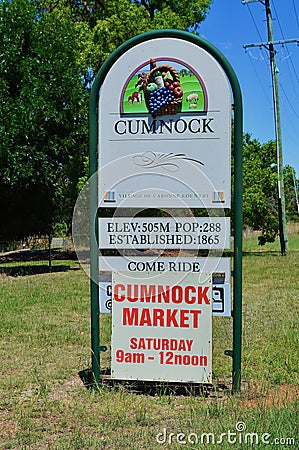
{"type": "Point", "coordinates": [45, 341]}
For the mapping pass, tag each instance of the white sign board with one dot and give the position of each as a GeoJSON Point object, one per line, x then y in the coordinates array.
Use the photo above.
{"type": "Point", "coordinates": [163, 331]}
{"type": "Point", "coordinates": [165, 129]}
{"type": "Point", "coordinates": [156, 263]}
{"type": "Point", "coordinates": [164, 232]}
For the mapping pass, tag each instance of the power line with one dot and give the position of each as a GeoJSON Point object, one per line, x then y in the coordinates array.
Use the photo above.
{"type": "Point", "coordinates": [283, 36]}
{"type": "Point", "coordinates": [296, 15]}
{"type": "Point", "coordinates": [258, 78]}
{"type": "Point", "coordinates": [278, 21]}
{"type": "Point", "coordinates": [255, 24]}
{"type": "Point", "coordinates": [294, 69]}
{"type": "Point", "coordinates": [288, 100]}
{"type": "Point", "coordinates": [253, 20]}
{"type": "Point", "coordinates": [290, 62]}
{"type": "Point", "coordinates": [267, 44]}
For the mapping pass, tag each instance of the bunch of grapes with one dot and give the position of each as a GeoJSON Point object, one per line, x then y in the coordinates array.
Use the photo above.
{"type": "Point", "coordinates": [158, 98]}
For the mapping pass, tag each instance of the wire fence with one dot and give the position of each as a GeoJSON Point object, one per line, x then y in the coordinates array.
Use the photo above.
{"type": "Point", "coordinates": [35, 255]}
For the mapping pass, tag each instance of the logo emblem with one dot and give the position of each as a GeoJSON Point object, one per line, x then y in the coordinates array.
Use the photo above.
{"type": "Point", "coordinates": [164, 87]}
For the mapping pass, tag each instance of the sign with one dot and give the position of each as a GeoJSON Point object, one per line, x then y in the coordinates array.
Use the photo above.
{"type": "Point", "coordinates": [105, 292]}
{"type": "Point", "coordinates": [165, 129]}
{"type": "Point", "coordinates": [162, 331]}
{"type": "Point", "coordinates": [219, 267]}
{"type": "Point", "coordinates": [156, 263]}
{"type": "Point", "coordinates": [220, 299]}
{"type": "Point", "coordinates": [164, 232]}
{"type": "Point", "coordinates": [160, 110]}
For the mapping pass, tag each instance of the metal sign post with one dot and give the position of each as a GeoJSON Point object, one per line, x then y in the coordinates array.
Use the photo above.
{"type": "Point", "coordinates": [148, 109]}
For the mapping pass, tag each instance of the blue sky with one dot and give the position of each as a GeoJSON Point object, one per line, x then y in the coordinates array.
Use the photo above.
{"type": "Point", "coordinates": [231, 24]}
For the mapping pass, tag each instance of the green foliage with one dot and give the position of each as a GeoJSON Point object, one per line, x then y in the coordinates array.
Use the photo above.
{"type": "Point", "coordinates": [173, 13]}
{"type": "Point", "coordinates": [260, 188]}
{"type": "Point", "coordinates": [187, 14]}
{"type": "Point", "coordinates": [125, 19]}
{"type": "Point", "coordinates": [260, 198]}
{"type": "Point", "coordinates": [42, 118]}
{"type": "Point", "coordinates": [109, 23]}
{"type": "Point", "coordinates": [290, 187]}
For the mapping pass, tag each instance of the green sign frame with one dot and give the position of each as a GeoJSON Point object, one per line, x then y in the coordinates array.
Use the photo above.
{"type": "Point", "coordinates": [236, 352]}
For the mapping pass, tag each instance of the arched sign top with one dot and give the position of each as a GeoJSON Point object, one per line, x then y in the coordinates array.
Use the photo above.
{"type": "Point", "coordinates": [202, 94]}
{"type": "Point", "coordinates": [159, 34]}
{"type": "Point", "coordinates": [168, 102]}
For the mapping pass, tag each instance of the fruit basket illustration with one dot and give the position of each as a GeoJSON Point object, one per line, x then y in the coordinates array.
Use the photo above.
{"type": "Point", "coordinates": [161, 88]}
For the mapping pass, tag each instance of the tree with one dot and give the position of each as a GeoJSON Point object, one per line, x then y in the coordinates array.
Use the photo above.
{"type": "Point", "coordinates": [260, 188]}
{"type": "Point", "coordinates": [43, 111]}
{"type": "Point", "coordinates": [189, 14]}
{"type": "Point", "coordinates": [290, 193]}
{"type": "Point", "coordinates": [109, 23]}
{"type": "Point", "coordinates": [174, 13]}
{"type": "Point", "coordinates": [124, 19]}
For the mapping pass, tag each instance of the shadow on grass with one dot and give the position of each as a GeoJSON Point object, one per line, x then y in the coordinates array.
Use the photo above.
{"type": "Point", "coordinates": [230, 254]}
{"type": "Point", "coordinates": [19, 271]}
{"type": "Point", "coordinates": [34, 262]}
{"type": "Point", "coordinates": [152, 388]}
{"type": "Point", "coordinates": [36, 255]}
{"type": "Point", "coordinates": [261, 253]}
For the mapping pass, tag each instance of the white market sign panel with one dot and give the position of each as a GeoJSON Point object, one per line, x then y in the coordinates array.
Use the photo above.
{"type": "Point", "coordinates": [220, 298]}
{"type": "Point", "coordinates": [163, 331]}
{"type": "Point", "coordinates": [164, 232]}
{"type": "Point", "coordinates": [219, 267]}
{"type": "Point", "coordinates": [165, 128]}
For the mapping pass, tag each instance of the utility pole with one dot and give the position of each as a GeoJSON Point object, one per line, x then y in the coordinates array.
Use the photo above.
{"type": "Point", "coordinates": [283, 235]}
{"type": "Point", "coordinates": [281, 197]}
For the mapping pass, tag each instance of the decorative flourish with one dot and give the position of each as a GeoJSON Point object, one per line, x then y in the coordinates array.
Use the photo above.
{"type": "Point", "coordinates": [166, 161]}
